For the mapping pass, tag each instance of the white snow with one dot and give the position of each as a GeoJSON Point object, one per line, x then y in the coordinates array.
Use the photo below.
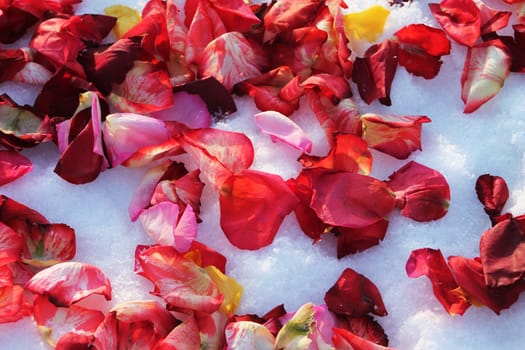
{"type": "Point", "coordinates": [292, 270]}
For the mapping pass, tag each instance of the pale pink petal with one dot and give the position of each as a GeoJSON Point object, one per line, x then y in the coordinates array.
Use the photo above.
{"type": "Point", "coordinates": [282, 128]}
{"type": "Point", "coordinates": [186, 230]}
{"type": "Point", "coordinates": [159, 222]}
{"type": "Point", "coordinates": [188, 109]}
{"type": "Point", "coordinates": [126, 133]}
{"type": "Point", "coordinates": [142, 196]}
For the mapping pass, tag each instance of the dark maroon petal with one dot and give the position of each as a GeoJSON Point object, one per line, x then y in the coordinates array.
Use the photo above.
{"type": "Point", "coordinates": [13, 24]}
{"type": "Point", "coordinates": [493, 193]}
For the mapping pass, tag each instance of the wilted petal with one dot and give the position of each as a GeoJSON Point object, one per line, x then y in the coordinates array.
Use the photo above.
{"type": "Point", "coordinates": [349, 199]}
{"type": "Point", "coordinates": [397, 136]}
{"type": "Point", "coordinates": [282, 128]}
{"type": "Point", "coordinates": [126, 133]}
{"type": "Point", "coordinates": [244, 335]}
{"type": "Point", "coordinates": [69, 282]}
{"type": "Point", "coordinates": [354, 295]}
{"type": "Point", "coordinates": [179, 281]}
{"type": "Point", "coordinates": [422, 193]}
{"type": "Point", "coordinates": [430, 263]}
{"type": "Point", "coordinates": [253, 205]}
{"type": "Point", "coordinates": [502, 252]}
{"type": "Point", "coordinates": [53, 322]}
{"type": "Point", "coordinates": [493, 193]}
{"type": "Point", "coordinates": [486, 67]}
{"type": "Point", "coordinates": [231, 58]}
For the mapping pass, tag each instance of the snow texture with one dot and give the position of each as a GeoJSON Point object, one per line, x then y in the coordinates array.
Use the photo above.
{"type": "Point", "coordinates": [292, 270]}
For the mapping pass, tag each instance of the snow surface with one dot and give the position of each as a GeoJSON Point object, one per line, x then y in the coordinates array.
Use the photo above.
{"type": "Point", "coordinates": [292, 270]}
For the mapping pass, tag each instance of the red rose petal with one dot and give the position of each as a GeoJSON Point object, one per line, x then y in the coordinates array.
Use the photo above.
{"type": "Point", "coordinates": [493, 193]}
{"type": "Point", "coordinates": [461, 19]}
{"type": "Point", "coordinates": [69, 282]}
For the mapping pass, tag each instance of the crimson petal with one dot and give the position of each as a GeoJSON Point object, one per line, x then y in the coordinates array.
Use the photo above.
{"type": "Point", "coordinates": [493, 193]}
{"type": "Point", "coordinates": [13, 304]}
{"type": "Point", "coordinates": [461, 19]}
{"type": "Point", "coordinates": [354, 295]}
{"type": "Point", "coordinates": [502, 249]}
{"type": "Point", "coordinates": [48, 244]}
{"type": "Point", "coordinates": [69, 282]}
{"type": "Point", "coordinates": [422, 193]}
{"type": "Point", "coordinates": [375, 72]}
{"type": "Point", "coordinates": [351, 240]}
{"type": "Point", "coordinates": [346, 340]}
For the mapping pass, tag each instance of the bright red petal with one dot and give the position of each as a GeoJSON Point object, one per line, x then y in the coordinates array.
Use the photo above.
{"type": "Point", "coordinates": [346, 340]}
{"type": "Point", "coordinates": [502, 252]}
{"type": "Point", "coordinates": [11, 245]}
{"type": "Point", "coordinates": [397, 136]}
{"type": "Point", "coordinates": [461, 19]}
{"type": "Point", "coordinates": [350, 153]}
{"type": "Point", "coordinates": [493, 193]}
{"type": "Point", "coordinates": [349, 199]}
{"type": "Point", "coordinates": [421, 48]}
{"type": "Point", "coordinates": [430, 263]}
{"type": "Point", "coordinates": [422, 193]}
{"type": "Point", "coordinates": [354, 295]}
{"type": "Point", "coordinates": [252, 206]}
{"type": "Point", "coordinates": [13, 305]}
{"type": "Point", "coordinates": [204, 256]}
{"type": "Point", "coordinates": [69, 282]}
{"type": "Point", "coordinates": [367, 328]}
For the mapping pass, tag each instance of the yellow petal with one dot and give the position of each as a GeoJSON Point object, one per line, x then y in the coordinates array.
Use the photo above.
{"type": "Point", "coordinates": [367, 24]}
{"type": "Point", "coordinates": [127, 18]}
{"type": "Point", "coordinates": [229, 288]}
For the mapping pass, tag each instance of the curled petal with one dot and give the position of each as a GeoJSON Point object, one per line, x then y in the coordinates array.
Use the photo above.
{"type": "Point", "coordinates": [54, 322]}
{"type": "Point", "coordinates": [397, 136]}
{"type": "Point", "coordinates": [354, 295]}
{"type": "Point", "coordinates": [282, 128]}
{"type": "Point", "coordinates": [289, 14]}
{"type": "Point", "coordinates": [493, 193]}
{"type": "Point", "coordinates": [486, 67]}
{"type": "Point", "coordinates": [375, 72]}
{"type": "Point", "coordinates": [461, 19]}
{"type": "Point", "coordinates": [349, 199]}
{"type": "Point", "coordinates": [204, 256]}
{"type": "Point", "coordinates": [183, 336]}
{"type": "Point", "coordinates": [422, 193]}
{"type": "Point", "coordinates": [69, 282]}
{"type": "Point", "coordinates": [431, 263]}
{"type": "Point", "coordinates": [49, 244]}
{"type": "Point", "coordinates": [229, 288]}
{"type": "Point", "coordinates": [188, 109]}
{"type": "Point", "coordinates": [253, 205]}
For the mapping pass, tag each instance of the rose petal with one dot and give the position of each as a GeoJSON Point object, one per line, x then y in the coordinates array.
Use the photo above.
{"type": "Point", "coordinates": [282, 128]}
